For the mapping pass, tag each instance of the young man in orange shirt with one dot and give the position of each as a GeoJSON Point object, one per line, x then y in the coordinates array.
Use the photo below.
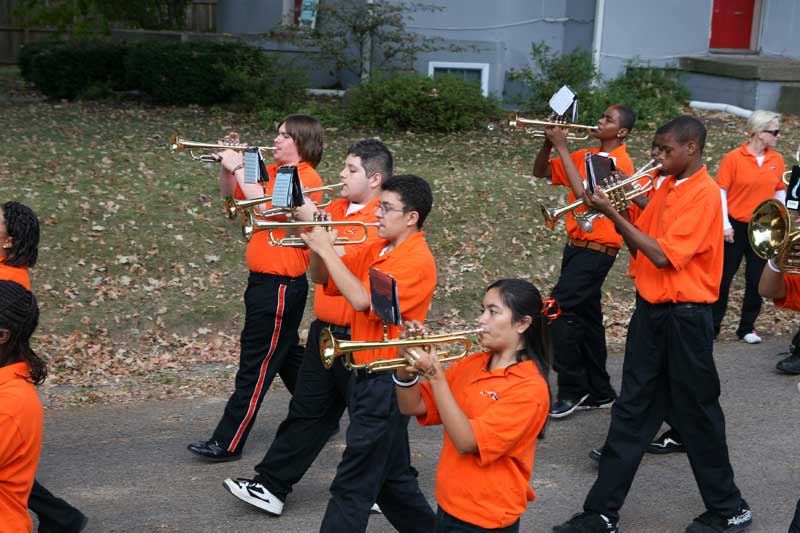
{"type": "Point", "coordinates": [579, 337]}
{"type": "Point", "coordinates": [375, 465]}
{"type": "Point", "coordinates": [320, 394]}
{"type": "Point", "coordinates": [669, 364]}
{"type": "Point", "coordinates": [784, 290]}
{"type": "Point", "coordinates": [276, 292]}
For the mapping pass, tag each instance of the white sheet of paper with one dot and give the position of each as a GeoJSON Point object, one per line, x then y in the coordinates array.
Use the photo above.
{"type": "Point", "coordinates": [562, 100]}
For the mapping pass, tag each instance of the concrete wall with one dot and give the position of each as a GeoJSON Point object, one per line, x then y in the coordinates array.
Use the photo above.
{"type": "Point", "coordinates": [657, 32]}
{"type": "Point", "coordinates": [748, 94]}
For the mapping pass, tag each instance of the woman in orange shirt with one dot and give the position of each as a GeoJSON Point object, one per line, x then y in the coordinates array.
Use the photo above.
{"type": "Point", "coordinates": [20, 410]}
{"type": "Point", "coordinates": [493, 406]}
{"type": "Point", "coordinates": [747, 176]}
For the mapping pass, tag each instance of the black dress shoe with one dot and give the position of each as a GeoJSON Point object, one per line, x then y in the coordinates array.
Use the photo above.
{"type": "Point", "coordinates": [212, 451]}
{"type": "Point", "coordinates": [668, 442]}
{"type": "Point", "coordinates": [566, 406]}
{"type": "Point", "coordinates": [790, 365]}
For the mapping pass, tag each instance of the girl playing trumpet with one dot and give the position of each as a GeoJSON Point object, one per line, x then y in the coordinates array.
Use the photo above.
{"type": "Point", "coordinates": [493, 406]}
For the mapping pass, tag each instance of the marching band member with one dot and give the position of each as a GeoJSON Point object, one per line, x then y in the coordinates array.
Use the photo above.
{"type": "Point", "coordinates": [669, 365]}
{"type": "Point", "coordinates": [320, 394]}
{"type": "Point", "coordinates": [492, 404]}
{"type": "Point", "coordinates": [276, 292]}
{"type": "Point", "coordinates": [747, 176]}
{"type": "Point", "coordinates": [19, 251]}
{"type": "Point", "coordinates": [375, 465]}
{"type": "Point", "coordinates": [579, 339]}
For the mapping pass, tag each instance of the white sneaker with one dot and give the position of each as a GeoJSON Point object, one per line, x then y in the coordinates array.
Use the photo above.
{"type": "Point", "coordinates": [375, 509]}
{"type": "Point", "coordinates": [255, 494]}
{"type": "Point", "coordinates": [751, 338]}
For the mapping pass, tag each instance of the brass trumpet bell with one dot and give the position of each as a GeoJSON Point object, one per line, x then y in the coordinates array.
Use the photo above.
{"type": "Point", "coordinates": [330, 348]}
{"type": "Point", "coordinates": [176, 144]}
{"type": "Point", "coordinates": [536, 127]}
{"type": "Point", "coordinates": [253, 224]}
{"type": "Point", "coordinates": [774, 233]}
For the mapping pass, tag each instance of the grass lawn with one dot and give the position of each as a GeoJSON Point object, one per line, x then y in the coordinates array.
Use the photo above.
{"type": "Point", "coordinates": [141, 277]}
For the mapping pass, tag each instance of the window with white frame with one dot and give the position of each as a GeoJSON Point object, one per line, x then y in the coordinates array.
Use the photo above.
{"type": "Point", "coordinates": [477, 72]}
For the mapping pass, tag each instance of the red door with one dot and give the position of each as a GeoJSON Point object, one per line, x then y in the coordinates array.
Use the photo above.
{"type": "Point", "coordinates": [732, 24]}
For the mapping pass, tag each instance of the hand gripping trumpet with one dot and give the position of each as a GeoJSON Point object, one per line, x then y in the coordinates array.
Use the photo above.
{"type": "Point", "coordinates": [233, 206]}
{"type": "Point", "coordinates": [536, 127]}
{"type": "Point", "coordinates": [176, 144]}
{"type": "Point", "coordinates": [330, 348]}
{"type": "Point", "coordinates": [620, 193]}
{"type": "Point", "coordinates": [254, 224]}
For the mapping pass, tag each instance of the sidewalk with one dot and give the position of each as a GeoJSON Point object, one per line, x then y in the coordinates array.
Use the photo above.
{"type": "Point", "coordinates": [126, 466]}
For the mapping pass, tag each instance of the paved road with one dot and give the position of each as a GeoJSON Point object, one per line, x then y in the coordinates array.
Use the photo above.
{"type": "Point", "coordinates": [126, 465]}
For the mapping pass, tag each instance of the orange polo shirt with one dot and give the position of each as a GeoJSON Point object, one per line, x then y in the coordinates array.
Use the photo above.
{"type": "Point", "coordinates": [507, 409]}
{"type": "Point", "coordinates": [792, 299]}
{"type": "Point", "coordinates": [686, 220]}
{"type": "Point", "coordinates": [747, 183]}
{"type": "Point", "coordinates": [21, 420]}
{"type": "Point", "coordinates": [412, 266]}
{"type": "Point", "coordinates": [336, 309]}
{"type": "Point", "coordinates": [17, 274]}
{"type": "Point", "coordinates": [635, 211]}
{"type": "Point", "coordinates": [281, 261]}
{"type": "Point", "coordinates": [603, 229]}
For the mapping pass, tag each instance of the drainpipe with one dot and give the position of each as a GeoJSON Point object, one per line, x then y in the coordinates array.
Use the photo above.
{"type": "Point", "coordinates": [597, 39]}
{"type": "Point", "coordinates": [366, 51]}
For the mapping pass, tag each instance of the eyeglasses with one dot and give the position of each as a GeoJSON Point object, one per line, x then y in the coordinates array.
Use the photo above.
{"type": "Point", "coordinates": [774, 133]}
{"type": "Point", "coordinates": [386, 208]}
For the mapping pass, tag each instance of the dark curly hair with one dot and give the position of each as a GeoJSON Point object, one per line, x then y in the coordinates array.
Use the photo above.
{"type": "Point", "coordinates": [19, 315]}
{"type": "Point", "coordinates": [23, 227]}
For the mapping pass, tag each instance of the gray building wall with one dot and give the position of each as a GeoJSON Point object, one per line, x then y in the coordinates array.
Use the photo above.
{"type": "Point", "coordinates": [248, 16]}
{"type": "Point", "coordinates": [780, 27]}
{"type": "Point", "coordinates": [654, 31]}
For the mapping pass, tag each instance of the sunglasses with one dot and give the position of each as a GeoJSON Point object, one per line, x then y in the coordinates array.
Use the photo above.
{"type": "Point", "coordinates": [774, 133]}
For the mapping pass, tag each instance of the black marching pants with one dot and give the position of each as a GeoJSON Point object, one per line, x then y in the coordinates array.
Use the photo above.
{"type": "Point", "coordinates": [375, 465]}
{"type": "Point", "coordinates": [668, 369]}
{"type": "Point", "coordinates": [54, 514]}
{"type": "Point", "coordinates": [315, 409]}
{"type": "Point", "coordinates": [274, 307]}
{"type": "Point", "coordinates": [754, 265]}
{"type": "Point", "coordinates": [579, 338]}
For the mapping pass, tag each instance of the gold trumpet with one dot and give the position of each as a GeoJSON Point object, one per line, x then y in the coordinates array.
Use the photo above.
{"type": "Point", "coordinates": [176, 144]}
{"type": "Point", "coordinates": [536, 127]}
{"type": "Point", "coordinates": [330, 348]}
{"type": "Point", "coordinates": [233, 206]}
{"type": "Point", "coordinates": [774, 233]}
{"type": "Point", "coordinates": [254, 224]}
{"type": "Point", "coordinates": [620, 193]}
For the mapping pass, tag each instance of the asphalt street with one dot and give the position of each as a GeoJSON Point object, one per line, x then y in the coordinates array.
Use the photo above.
{"type": "Point", "coordinates": [126, 466]}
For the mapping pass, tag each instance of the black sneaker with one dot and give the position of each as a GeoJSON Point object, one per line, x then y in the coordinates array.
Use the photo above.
{"type": "Point", "coordinates": [596, 454]}
{"type": "Point", "coordinates": [668, 442]}
{"type": "Point", "coordinates": [255, 494]}
{"type": "Point", "coordinates": [587, 523]}
{"type": "Point", "coordinates": [565, 407]}
{"type": "Point", "coordinates": [790, 365]}
{"type": "Point", "coordinates": [597, 403]}
{"type": "Point", "coordinates": [711, 522]}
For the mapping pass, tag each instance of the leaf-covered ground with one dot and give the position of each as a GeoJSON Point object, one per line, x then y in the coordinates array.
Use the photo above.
{"type": "Point", "coordinates": [140, 277]}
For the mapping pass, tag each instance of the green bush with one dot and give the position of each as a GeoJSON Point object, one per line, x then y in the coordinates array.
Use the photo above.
{"type": "Point", "coordinates": [207, 73]}
{"type": "Point", "coordinates": [26, 54]}
{"type": "Point", "coordinates": [419, 103]}
{"type": "Point", "coordinates": [70, 68]}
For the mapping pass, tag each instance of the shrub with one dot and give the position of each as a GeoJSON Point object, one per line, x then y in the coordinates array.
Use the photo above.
{"type": "Point", "coordinates": [206, 73]}
{"type": "Point", "coordinates": [419, 103]}
{"type": "Point", "coordinates": [30, 50]}
{"type": "Point", "coordinates": [68, 69]}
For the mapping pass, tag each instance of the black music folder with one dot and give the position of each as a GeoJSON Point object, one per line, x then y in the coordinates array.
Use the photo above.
{"type": "Point", "coordinates": [383, 297]}
{"type": "Point", "coordinates": [598, 169]}
{"type": "Point", "coordinates": [288, 192]}
{"type": "Point", "coordinates": [792, 192]}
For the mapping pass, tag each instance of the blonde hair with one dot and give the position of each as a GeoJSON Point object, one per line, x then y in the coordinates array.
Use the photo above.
{"type": "Point", "coordinates": [760, 119]}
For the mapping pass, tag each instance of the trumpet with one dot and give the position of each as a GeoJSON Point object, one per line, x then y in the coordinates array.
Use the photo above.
{"type": "Point", "coordinates": [330, 348]}
{"type": "Point", "coordinates": [620, 194]}
{"type": "Point", "coordinates": [176, 144]}
{"type": "Point", "coordinates": [536, 127]}
{"type": "Point", "coordinates": [774, 233]}
{"type": "Point", "coordinates": [234, 206]}
{"type": "Point", "coordinates": [254, 224]}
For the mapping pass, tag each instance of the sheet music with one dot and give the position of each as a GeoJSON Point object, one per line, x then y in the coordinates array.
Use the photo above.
{"type": "Point", "coordinates": [561, 101]}
{"type": "Point", "coordinates": [282, 192]}
{"type": "Point", "coordinates": [251, 165]}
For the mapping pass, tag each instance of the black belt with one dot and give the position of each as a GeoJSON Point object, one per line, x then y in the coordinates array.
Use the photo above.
{"type": "Point", "coordinates": [286, 280]}
{"type": "Point", "coordinates": [338, 331]}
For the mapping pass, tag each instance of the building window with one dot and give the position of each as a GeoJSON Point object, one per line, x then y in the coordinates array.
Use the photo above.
{"type": "Point", "coordinates": [477, 72]}
{"type": "Point", "coordinates": [300, 13]}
